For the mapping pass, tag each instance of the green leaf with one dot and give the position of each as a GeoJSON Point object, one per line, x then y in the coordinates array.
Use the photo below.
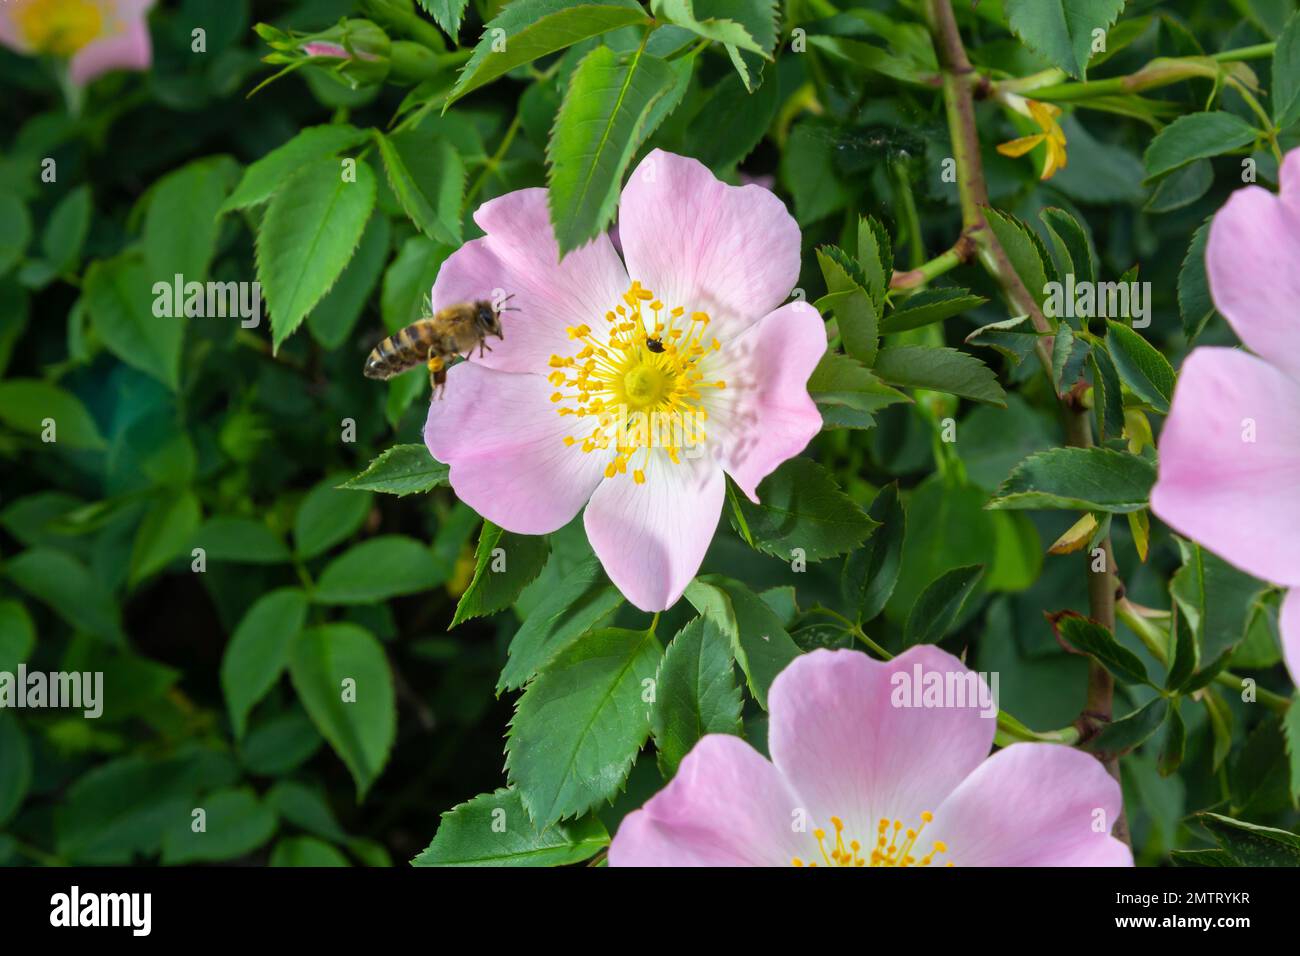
{"type": "Point", "coordinates": [1023, 250]}
{"type": "Point", "coordinates": [1171, 754]}
{"type": "Point", "coordinates": [376, 570]}
{"type": "Point", "coordinates": [305, 851]}
{"type": "Point", "coordinates": [1087, 479]}
{"type": "Point", "coordinates": [65, 232]}
{"type": "Point", "coordinates": [1196, 136]}
{"type": "Point", "coordinates": [578, 726]}
{"type": "Point", "coordinates": [117, 293]}
{"type": "Point", "coordinates": [1186, 655]}
{"type": "Point", "coordinates": [327, 516]}
{"type": "Point", "coordinates": [1108, 397]}
{"type": "Point", "coordinates": [1182, 187]}
{"type": "Point", "coordinates": [71, 591]}
{"type": "Point", "coordinates": [719, 29]}
{"type": "Point", "coordinates": [405, 295]}
{"type": "Point", "coordinates": [848, 394]}
{"type": "Point", "coordinates": [1215, 598]}
{"type": "Point", "coordinates": [311, 228]}
{"type": "Point", "coordinates": [759, 640]}
{"type": "Point", "coordinates": [258, 652]}
{"type": "Point", "coordinates": [1015, 338]}
{"type": "Point", "coordinates": [855, 313]}
{"type": "Point", "coordinates": [1286, 74]}
{"type": "Point", "coordinates": [734, 124]}
{"type": "Point", "coordinates": [494, 829]}
{"type": "Point", "coordinates": [1088, 637]}
{"type": "Point", "coordinates": [504, 563]}
{"type": "Point", "coordinates": [242, 540]}
{"type": "Point", "coordinates": [17, 634]}
{"type": "Point", "coordinates": [263, 178]}
{"type": "Point", "coordinates": [1129, 732]}
{"type": "Point", "coordinates": [801, 509]}
{"type": "Point", "coordinates": [1068, 356]}
{"type": "Point", "coordinates": [939, 605]}
{"type": "Point", "coordinates": [1061, 30]}
{"type": "Point", "coordinates": [401, 470]}
{"type": "Point", "coordinates": [929, 306]}
{"type": "Point", "coordinates": [306, 807]}
{"type": "Point", "coordinates": [26, 404]}
{"type": "Point", "coordinates": [236, 824]}
{"type": "Point", "coordinates": [942, 370]}
{"type": "Point", "coordinates": [601, 123]}
{"type": "Point", "coordinates": [1141, 367]}
{"type": "Point", "coordinates": [446, 13]}
{"type": "Point", "coordinates": [875, 257]}
{"type": "Point", "coordinates": [1073, 247]}
{"type": "Point", "coordinates": [807, 170]}
{"type": "Point", "coordinates": [871, 572]}
{"type": "Point", "coordinates": [1291, 730]}
{"type": "Point", "coordinates": [1194, 302]}
{"type": "Point", "coordinates": [166, 531]}
{"type": "Point", "coordinates": [332, 320]}
{"type": "Point", "coordinates": [528, 29]}
{"type": "Point", "coordinates": [15, 231]}
{"type": "Point", "coordinates": [180, 227]}
{"type": "Point", "coordinates": [695, 694]}
{"type": "Point", "coordinates": [342, 677]}
{"type": "Point", "coordinates": [15, 766]}
{"type": "Point", "coordinates": [581, 600]}
{"type": "Point", "coordinates": [1251, 844]}
{"type": "Point", "coordinates": [428, 178]}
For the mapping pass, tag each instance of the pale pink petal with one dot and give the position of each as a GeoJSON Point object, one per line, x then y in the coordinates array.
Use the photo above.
{"type": "Point", "coordinates": [518, 257]}
{"type": "Point", "coordinates": [1031, 805]}
{"type": "Point", "coordinates": [504, 442]}
{"type": "Point", "coordinates": [10, 35]}
{"type": "Point", "coordinates": [652, 537]}
{"type": "Point", "coordinates": [1289, 624]}
{"type": "Point", "coordinates": [764, 415]}
{"type": "Point", "coordinates": [1237, 497]}
{"type": "Point", "coordinates": [322, 48]}
{"type": "Point", "coordinates": [726, 806]}
{"type": "Point", "coordinates": [128, 49]}
{"type": "Point", "coordinates": [1253, 261]}
{"type": "Point", "coordinates": [847, 750]}
{"type": "Point", "coordinates": [730, 251]}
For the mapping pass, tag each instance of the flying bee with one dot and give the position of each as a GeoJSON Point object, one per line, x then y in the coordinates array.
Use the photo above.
{"type": "Point", "coordinates": [436, 340]}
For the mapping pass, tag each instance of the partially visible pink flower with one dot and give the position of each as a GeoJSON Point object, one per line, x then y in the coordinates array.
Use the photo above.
{"type": "Point", "coordinates": [859, 779]}
{"type": "Point", "coordinates": [631, 390]}
{"type": "Point", "coordinates": [1230, 450]}
{"type": "Point", "coordinates": [96, 36]}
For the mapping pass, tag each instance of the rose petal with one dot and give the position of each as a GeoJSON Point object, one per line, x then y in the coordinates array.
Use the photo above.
{"type": "Point", "coordinates": [652, 537]}
{"type": "Point", "coordinates": [730, 251]}
{"type": "Point", "coordinates": [128, 49]}
{"type": "Point", "coordinates": [505, 444]}
{"type": "Point", "coordinates": [1032, 805]}
{"type": "Point", "coordinates": [765, 415]}
{"type": "Point", "coordinates": [836, 735]}
{"type": "Point", "coordinates": [1253, 263]}
{"type": "Point", "coordinates": [518, 257]}
{"type": "Point", "coordinates": [726, 806]}
{"type": "Point", "coordinates": [1236, 497]}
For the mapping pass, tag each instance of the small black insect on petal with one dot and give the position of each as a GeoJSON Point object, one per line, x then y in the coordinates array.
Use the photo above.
{"type": "Point", "coordinates": [654, 345]}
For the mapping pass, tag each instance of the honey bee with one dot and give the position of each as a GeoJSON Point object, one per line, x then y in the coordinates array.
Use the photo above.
{"type": "Point", "coordinates": [436, 340]}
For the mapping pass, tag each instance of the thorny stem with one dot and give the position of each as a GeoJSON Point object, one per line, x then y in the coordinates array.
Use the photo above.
{"type": "Point", "coordinates": [959, 103]}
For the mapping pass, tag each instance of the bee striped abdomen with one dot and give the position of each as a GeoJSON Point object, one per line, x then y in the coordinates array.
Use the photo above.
{"type": "Point", "coordinates": [405, 350]}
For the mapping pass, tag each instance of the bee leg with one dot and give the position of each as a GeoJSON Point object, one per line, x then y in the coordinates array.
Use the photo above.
{"type": "Point", "coordinates": [437, 375]}
{"type": "Point", "coordinates": [482, 346]}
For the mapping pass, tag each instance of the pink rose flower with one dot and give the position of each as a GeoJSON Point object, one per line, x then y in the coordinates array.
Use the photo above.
{"type": "Point", "coordinates": [97, 36]}
{"type": "Point", "coordinates": [1230, 450]}
{"type": "Point", "coordinates": [631, 389]}
{"type": "Point", "coordinates": [861, 776]}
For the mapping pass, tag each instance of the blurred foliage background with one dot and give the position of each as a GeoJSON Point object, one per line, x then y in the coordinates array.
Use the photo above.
{"type": "Point", "coordinates": [192, 433]}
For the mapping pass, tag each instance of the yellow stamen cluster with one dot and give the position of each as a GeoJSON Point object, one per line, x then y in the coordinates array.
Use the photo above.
{"type": "Point", "coordinates": [59, 27]}
{"type": "Point", "coordinates": [639, 378]}
{"type": "Point", "coordinates": [888, 851]}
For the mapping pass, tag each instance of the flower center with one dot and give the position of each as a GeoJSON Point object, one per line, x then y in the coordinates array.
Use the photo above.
{"type": "Point", "coordinates": [894, 846]}
{"type": "Point", "coordinates": [638, 379]}
{"type": "Point", "coordinates": [60, 27]}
